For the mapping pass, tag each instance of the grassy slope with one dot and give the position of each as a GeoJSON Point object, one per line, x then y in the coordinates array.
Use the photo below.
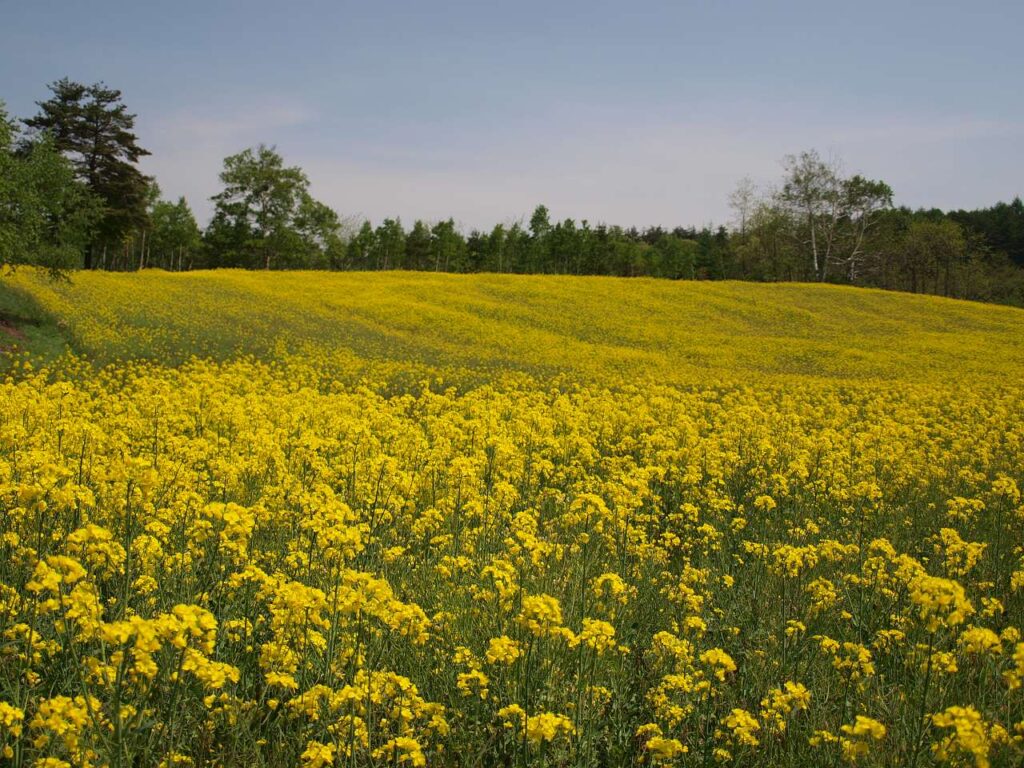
{"type": "Point", "coordinates": [26, 328]}
{"type": "Point", "coordinates": [675, 331]}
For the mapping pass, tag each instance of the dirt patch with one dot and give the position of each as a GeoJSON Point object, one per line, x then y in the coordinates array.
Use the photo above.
{"type": "Point", "coordinates": [10, 334]}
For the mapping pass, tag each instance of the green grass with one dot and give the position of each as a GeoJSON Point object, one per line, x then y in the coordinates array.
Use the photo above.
{"type": "Point", "coordinates": [25, 329]}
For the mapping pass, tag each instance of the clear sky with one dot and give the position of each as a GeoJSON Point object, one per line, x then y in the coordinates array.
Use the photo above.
{"type": "Point", "coordinates": [624, 112]}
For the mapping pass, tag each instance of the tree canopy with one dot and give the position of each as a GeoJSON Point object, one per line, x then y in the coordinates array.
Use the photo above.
{"type": "Point", "coordinates": [265, 216]}
{"type": "Point", "coordinates": [72, 193]}
{"type": "Point", "coordinates": [46, 214]}
{"type": "Point", "coordinates": [91, 126]}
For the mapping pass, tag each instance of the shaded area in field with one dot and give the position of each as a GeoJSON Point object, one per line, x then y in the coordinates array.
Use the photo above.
{"type": "Point", "coordinates": [26, 328]}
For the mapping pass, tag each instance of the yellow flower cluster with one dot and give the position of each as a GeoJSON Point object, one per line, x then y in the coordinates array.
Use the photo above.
{"type": "Point", "coordinates": [969, 736]}
{"type": "Point", "coordinates": [435, 520]}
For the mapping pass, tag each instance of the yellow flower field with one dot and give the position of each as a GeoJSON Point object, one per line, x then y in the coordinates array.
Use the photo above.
{"type": "Point", "coordinates": [401, 520]}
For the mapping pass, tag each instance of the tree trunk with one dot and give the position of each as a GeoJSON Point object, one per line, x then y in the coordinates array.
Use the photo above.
{"type": "Point", "coordinates": [814, 245]}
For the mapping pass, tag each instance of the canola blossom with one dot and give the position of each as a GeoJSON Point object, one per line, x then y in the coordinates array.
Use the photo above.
{"type": "Point", "coordinates": [252, 545]}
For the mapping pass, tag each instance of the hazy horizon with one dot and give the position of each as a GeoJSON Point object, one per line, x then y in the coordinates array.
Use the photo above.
{"type": "Point", "coordinates": [640, 116]}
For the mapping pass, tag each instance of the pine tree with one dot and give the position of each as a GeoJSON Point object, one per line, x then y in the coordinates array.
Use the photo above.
{"type": "Point", "coordinates": [90, 125]}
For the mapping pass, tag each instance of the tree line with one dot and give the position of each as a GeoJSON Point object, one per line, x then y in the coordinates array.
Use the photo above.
{"type": "Point", "coordinates": [72, 195]}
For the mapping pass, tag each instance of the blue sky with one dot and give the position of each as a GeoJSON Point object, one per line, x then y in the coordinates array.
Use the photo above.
{"type": "Point", "coordinates": [633, 113]}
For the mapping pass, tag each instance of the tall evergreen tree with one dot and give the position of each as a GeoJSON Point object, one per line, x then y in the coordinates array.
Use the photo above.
{"type": "Point", "coordinates": [447, 247]}
{"type": "Point", "coordinates": [496, 247]}
{"type": "Point", "coordinates": [540, 242]}
{"type": "Point", "coordinates": [418, 246]}
{"type": "Point", "coordinates": [90, 125]}
{"type": "Point", "coordinates": [389, 245]}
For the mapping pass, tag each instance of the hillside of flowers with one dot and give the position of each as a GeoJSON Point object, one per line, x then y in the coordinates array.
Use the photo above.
{"type": "Point", "coordinates": [424, 520]}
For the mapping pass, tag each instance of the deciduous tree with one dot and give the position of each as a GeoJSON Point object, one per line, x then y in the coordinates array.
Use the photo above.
{"type": "Point", "coordinates": [266, 217]}
{"type": "Point", "coordinates": [46, 214]}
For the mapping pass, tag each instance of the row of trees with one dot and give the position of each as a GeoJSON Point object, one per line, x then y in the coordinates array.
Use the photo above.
{"type": "Point", "coordinates": [539, 247]}
{"type": "Point", "coordinates": [71, 194]}
{"type": "Point", "coordinates": [819, 225]}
